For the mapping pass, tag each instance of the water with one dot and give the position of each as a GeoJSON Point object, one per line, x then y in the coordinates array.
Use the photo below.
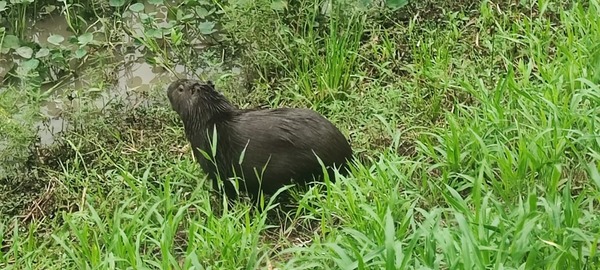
{"type": "Point", "coordinates": [133, 77]}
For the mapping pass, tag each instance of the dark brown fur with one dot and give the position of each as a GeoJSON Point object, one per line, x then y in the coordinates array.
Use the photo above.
{"type": "Point", "coordinates": [284, 137]}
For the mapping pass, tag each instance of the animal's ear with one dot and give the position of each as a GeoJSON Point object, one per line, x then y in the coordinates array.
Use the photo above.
{"type": "Point", "coordinates": [210, 86]}
{"type": "Point", "coordinates": [196, 88]}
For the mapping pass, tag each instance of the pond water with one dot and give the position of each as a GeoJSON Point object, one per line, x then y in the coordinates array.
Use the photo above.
{"type": "Point", "coordinates": [133, 76]}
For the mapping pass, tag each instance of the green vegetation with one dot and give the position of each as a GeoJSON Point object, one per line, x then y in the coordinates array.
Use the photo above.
{"type": "Point", "coordinates": [476, 126]}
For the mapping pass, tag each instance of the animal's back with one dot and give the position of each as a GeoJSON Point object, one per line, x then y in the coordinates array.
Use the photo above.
{"type": "Point", "coordinates": [286, 140]}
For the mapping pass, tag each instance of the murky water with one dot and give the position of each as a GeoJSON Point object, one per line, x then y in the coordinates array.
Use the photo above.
{"type": "Point", "coordinates": [133, 77]}
{"type": "Point", "coordinates": [136, 78]}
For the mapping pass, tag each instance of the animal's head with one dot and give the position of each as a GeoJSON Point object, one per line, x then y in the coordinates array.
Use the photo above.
{"type": "Point", "coordinates": [194, 99]}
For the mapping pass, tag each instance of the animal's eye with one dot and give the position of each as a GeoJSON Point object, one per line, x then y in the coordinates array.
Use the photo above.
{"type": "Point", "coordinates": [180, 88]}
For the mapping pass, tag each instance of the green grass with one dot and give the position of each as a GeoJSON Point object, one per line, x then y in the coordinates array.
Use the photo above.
{"type": "Point", "coordinates": [476, 126]}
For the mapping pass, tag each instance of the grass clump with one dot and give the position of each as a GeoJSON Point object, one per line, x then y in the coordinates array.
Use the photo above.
{"type": "Point", "coordinates": [476, 126]}
{"type": "Point", "coordinates": [16, 137]}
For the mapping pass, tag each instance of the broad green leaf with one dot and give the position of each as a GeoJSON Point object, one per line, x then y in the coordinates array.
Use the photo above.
{"type": "Point", "coordinates": [202, 12]}
{"type": "Point", "coordinates": [11, 41]}
{"type": "Point", "coordinates": [57, 56]}
{"type": "Point", "coordinates": [206, 28]}
{"type": "Point", "coordinates": [144, 16]}
{"type": "Point", "coordinates": [116, 3]}
{"type": "Point", "coordinates": [155, 33]}
{"type": "Point", "coordinates": [85, 38]}
{"type": "Point", "coordinates": [25, 52]}
{"type": "Point", "coordinates": [43, 52]}
{"type": "Point", "coordinates": [56, 39]}
{"type": "Point", "coordinates": [80, 53]}
{"type": "Point", "coordinates": [30, 64]}
{"type": "Point", "coordinates": [49, 9]}
{"type": "Point", "coordinates": [137, 7]}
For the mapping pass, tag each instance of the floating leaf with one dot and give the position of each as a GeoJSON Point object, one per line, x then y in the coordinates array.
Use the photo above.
{"type": "Point", "coordinates": [116, 3]}
{"type": "Point", "coordinates": [25, 52]}
{"type": "Point", "coordinates": [11, 42]}
{"type": "Point", "coordinates": [155, 2]}
{"type": "Point", "coordinates": [137, 7]}
{"type": "Point", "coordinates": [30, 64]}
{"type": "Point", "coordinates": [80, 53]}
{"type": "Point", "coordinates": [43, 52]}
{"type": "Point", "coordinates": [56, 39]}
{"type": "Point", "coordinates": [206, 28]}
{"type": "Point", "coordinates": [85, 38]}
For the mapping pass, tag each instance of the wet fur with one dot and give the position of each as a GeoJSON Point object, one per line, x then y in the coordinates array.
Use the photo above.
{"type": "Point", "coordinates": [284, 139]}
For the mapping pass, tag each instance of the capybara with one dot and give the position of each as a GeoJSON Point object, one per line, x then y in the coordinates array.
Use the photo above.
{"type": "Point", "coordinates": [279, 146]}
